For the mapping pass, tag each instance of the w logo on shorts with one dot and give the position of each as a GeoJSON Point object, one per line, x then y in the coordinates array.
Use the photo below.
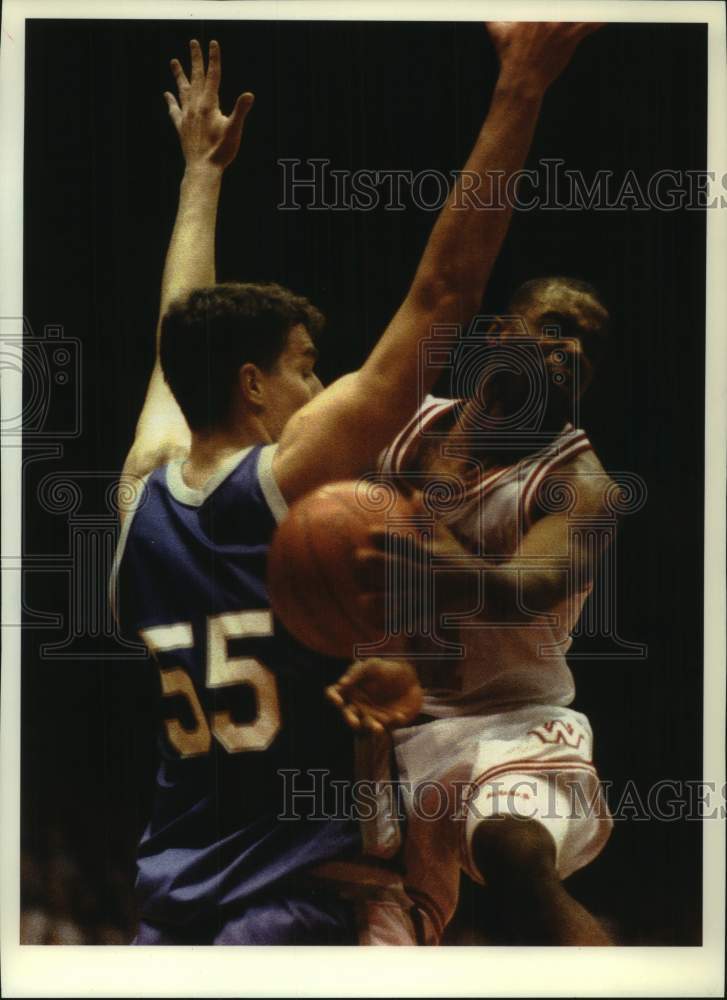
{"type": "Point", "coordinates": [558, 731]}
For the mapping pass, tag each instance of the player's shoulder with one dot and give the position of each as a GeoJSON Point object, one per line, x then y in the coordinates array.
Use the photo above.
{"type": "Point", "coordinates": [584, 460]}
{"type": "Point", "coordinates": [236, 475]}
{"type": "Point", "coordinates": [238, 505]}
{"type": "Point", "coordinates": [241, 501]}
{"type": "Point", "coordinates": [398, 452]}
{"type": "Point", "coordinates": [144, 457]}
{"type": "Point", "coordinates": [134, 484]}
{"type": "Point", "coordinates": [583, 474]}
{"type": "Point", "coordinates": [431, 403]}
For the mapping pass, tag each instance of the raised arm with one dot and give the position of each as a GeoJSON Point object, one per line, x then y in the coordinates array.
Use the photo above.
{"type": "Point", "coordinates": [340, 433]}
{"type": "Point", "coordinates": [209, 141]}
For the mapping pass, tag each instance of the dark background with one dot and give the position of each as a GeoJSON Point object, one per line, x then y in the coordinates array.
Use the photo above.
{"type": "Point", "coordinates": [102, 167]}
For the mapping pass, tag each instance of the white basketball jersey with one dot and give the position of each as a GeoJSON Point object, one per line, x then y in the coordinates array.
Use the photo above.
{"type": "Point", "coordinates": [506, 664]}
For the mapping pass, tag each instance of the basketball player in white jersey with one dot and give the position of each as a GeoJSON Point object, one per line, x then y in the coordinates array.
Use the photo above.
{"type": "Point", "coordinates": [273, 408]}
{"type": "Point", "coordinates": [500, 780]}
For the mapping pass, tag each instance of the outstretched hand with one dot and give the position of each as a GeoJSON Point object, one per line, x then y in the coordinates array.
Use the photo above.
{"type": "Point", "coordinates": [206, 135]}
{"type": "Point", "coordinates": [538, 50]}
{"type": "Point", "coordinates": [377, 694]}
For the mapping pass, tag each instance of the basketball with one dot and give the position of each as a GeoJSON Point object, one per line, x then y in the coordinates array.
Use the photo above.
{"type": "Point", "coordinates": [311, 580]}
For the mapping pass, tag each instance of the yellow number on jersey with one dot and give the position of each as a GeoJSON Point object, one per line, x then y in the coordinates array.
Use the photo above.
{"type": "Point", "coordinates": [222, 671]}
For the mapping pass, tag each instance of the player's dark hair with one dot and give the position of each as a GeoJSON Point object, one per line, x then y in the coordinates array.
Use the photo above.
{"type": "Point", "coordinates": [575, 306]}
{"type": "Point", "coordinates": [208, 335]}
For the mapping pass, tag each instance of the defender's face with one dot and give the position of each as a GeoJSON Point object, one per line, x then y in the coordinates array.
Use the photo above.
{"type": "Point", "coordinates": [293, 382]}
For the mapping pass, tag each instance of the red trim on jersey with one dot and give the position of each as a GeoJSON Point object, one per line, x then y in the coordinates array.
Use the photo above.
{"type": "Point", "coordinates": [528, 765]}
{"type": "Point", "coordinates": [534, 763]}
{"type": "Point", "coordinates": [557, 726]}
{"type": "Point", "coordinates": [396, 455]}
{"type": "Point", "coordinates": [533, 767]}
{"type": "Point", "coordinates": [394, 459]}
{"type": "Point", "coordinates": [402, 442]}
{"type": "Point", "coordinates": [576, 446]}
{"type": "Point", "coordinates": [488, 481]}
{"type": "Point", "coordinates": [423, 420]}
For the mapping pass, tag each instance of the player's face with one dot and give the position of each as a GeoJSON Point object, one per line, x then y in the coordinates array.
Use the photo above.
{"type": "Point", "coordinates": [564, 356]}
{"type": "Point", "coordinates": [293, 381]}
{"type": "Point", "coordinates": [564, 353]}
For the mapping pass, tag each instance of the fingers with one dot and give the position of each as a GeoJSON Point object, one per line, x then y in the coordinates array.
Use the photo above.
{"type": "Point", "coordinates": [497, 27]}
{"type": "Point", "coordinates": [371, 720]}
{"type": "Point", "coordinates": [197, 77]}
{"type": "Point", "coordinates": [410, 555]}
{"type": "Point", "coordinates": [381, 538]}
{"type": "Point", "coordinates": [197, 74]}
{"type": "Point", "coordinates": [214, 68]}
{"type": "Point", "coordinates": [372, 725]}
{"type": "Point", "coordinates": [334, 696]}
{"type": "Point", "coordinates": [239, 113]}
{"type": "Point", "coordinates": [349, 712]}
{"type": "Point", "coordinates": [362, 716]}
{"type": "Point", "coordinates": [175, 112]}
{"type": "Point", "coordinates": [379, 720]}
{"type": "Point", "coordinates": [376, 695]}
{"type": "Point", "coordinates": [182, 82]}
{"type": "Point", "coordinates": [369, 568]}
{"type": "Point", "coordinates": [351, 716]}
{"type": "Point", "coordinates": [396, 719]}
{"type": "Point", "coordinates": [352, 675]}
{"type": "Point", "coordinates": [358, 670]}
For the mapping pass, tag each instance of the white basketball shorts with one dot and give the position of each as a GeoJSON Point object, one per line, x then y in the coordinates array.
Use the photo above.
{"type": "Point", "coordinates": [533, 762]}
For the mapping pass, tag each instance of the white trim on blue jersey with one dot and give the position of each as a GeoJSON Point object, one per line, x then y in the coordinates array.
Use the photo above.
{"type": "Point", "coordinates": [121, 545]}
{"type": "Point", "coordinates": [193, 497]}
{"type": "Point", "coordinates": [271, 491]}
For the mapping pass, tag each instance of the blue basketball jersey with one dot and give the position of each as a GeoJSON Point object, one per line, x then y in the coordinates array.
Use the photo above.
{"type": "Point", "coordinates": [245, 720]}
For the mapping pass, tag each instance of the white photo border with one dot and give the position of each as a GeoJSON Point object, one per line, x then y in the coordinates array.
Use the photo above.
{"type": "Point", "coordinates": [467, 971]}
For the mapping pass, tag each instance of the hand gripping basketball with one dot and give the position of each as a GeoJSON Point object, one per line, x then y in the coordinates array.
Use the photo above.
{"type": "Point", "coordinates": [315, 582]}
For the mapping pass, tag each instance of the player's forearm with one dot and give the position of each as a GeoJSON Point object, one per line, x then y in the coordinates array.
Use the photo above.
{"type": "Point", "coordinates": [468, 234]}
{"type": "Point", "coordinates": [515, 595]}
{"type": "Point", "coordinates": [506, 593]}
{"type": "Point", "coordinates": [190, 260]}
{"type": "Point", "coordinates": [471, 228]}
{"type": "Point", "coordinates": [459, 256]}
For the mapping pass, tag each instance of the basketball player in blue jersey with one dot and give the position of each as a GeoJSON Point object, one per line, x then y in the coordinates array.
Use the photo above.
{"type": "Point", "coordinates": [234, 427]}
